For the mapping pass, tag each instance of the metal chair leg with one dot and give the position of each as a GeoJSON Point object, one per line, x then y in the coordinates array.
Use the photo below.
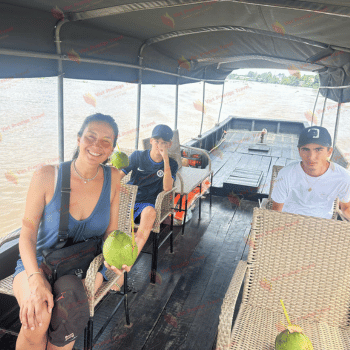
{"type": "Point", "coordinates": [126, 305]}
{"type": "Point", "coordinates": [171, 235]}
{"type": "Point", "coordinates": [200, 201]}
{"type": "Point", "coordinates": [184, 223]}
{"type": "Point", "coordinates": [88, 334]}
{"type": "Point", "coordinates": [154, 257]}
{"type": "Point", "coordinates": [210, 188]}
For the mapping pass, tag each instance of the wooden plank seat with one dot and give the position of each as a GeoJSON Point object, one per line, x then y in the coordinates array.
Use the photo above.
{"type": "Point", "coordinates": [164, 208]}
{"type": "Point", "coordinates": [187, 178]}
{"type": "Point", "coordinates": [267, 202]}
{"type": "Point", "coordinates": [302, 260]}
{"type": "Point", "coordinates": [126, 203]}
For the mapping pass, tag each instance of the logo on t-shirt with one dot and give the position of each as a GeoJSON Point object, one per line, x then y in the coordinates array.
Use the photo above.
{"type": "Point", "coordinates": [160, 173]}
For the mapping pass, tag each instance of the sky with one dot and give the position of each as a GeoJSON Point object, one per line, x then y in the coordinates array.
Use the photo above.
{"type": "Point", "coordinates": [273, 71]}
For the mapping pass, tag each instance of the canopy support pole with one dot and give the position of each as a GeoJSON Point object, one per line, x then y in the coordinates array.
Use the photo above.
{"type": "Point", "coordinates": [313, 112]}
{"type": "Point", "coordinates": [324, 107]}
{"type": "Point", "coordinates": [60, 92]}
{"type": "Point", "coordinates": [177, 98]}
{"type": "Point", "coordinates": [222, 99]}
{"type": "Point", "coordinates": [200, 132]}
{"type": "Point", "coordinates": [338, 111]}
{"type": "Point", "coordinates": [138, 116]}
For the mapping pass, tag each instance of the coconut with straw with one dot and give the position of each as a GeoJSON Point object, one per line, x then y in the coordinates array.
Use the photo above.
{"type": "Point", "coordinates": [119, 159]}
{"type": "Point", "coordinates": [120, 249]}
{"type": "Point", "coordinates": [292, 338]}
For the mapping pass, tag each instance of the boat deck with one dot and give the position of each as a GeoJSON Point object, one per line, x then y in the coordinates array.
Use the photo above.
{"type": "Point", "coordinates": [181, 311]}
{"type": "Point", "coordinates": [242, 149]}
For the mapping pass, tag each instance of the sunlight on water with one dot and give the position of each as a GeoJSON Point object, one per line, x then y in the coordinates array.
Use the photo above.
{"type": "Point", "coordinates": [28, 120]}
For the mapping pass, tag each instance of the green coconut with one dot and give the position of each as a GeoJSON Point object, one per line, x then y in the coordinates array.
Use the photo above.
{"type": "Point", "coordinates": [118, 250]}
{"type": "Point", "coordinates": [292, 338]}
{"type": "Point", "coordinates": [119, 160]}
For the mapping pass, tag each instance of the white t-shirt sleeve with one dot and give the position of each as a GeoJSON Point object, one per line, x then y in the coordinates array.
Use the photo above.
{"type": "Point", "coordinates": [280, 188]}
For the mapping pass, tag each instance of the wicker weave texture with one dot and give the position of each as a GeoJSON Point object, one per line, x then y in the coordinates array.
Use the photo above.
{"type": "Point", "coordinates": [302, 260]}
{"type": "Point", "coordinates": [127, 196]}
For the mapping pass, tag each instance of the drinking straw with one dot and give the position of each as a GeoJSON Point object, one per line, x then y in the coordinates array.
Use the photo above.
{"type": "Point", "coordinates": [118, 147]}
{"type": "Point", "coordinates": [132, 226]}
{"type": "Point", "coordinates": [285, 312]}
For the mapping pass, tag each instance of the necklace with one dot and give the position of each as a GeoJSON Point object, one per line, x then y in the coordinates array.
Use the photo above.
{"type": "Point", "coordinates": [83, 178]}
{"type": "Point", "coordinates": [310, 188]}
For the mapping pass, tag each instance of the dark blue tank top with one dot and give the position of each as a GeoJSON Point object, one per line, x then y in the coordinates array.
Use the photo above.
{"type": "Point", "coordinates": [93, 226]}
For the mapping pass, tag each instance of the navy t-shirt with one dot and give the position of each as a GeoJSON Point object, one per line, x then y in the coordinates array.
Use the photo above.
{"type": "Point", "coordinates": [148, 175]}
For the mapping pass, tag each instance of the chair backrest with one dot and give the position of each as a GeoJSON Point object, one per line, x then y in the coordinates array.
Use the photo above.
{"type": "Point", "coordinates": [174, 151]}
{"type": "Point", "coordinates": [302, 260]}
{"type": "Point", "coordinates": [275, 170]}
{"type": "Point", "coordinates": [127, 196]}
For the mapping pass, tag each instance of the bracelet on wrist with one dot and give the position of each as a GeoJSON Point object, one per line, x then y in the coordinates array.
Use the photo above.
{"type": "Point", "coordinates": [33, 274]}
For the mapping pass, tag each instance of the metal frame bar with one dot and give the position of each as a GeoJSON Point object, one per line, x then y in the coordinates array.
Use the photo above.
{"type": "Point", "coordinates": [222, 99]}
{"type": "Point", "coordinates": [200, 131]}
{"type": "Point", "coordinates": [333, 10]}
{"type": "Point", "coordinates": [324, 107]}
{"type": "Point", "coordinates": [177, 99]}
{"type": "Point", "coordinates": [60, 91]}
{"type": "Point", "coordinates": [33, 54]}
{"type": "Point", "coordinates": [177, 34]}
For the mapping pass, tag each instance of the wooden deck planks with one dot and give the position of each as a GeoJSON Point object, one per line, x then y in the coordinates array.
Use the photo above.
{"type": "Point", "coordinates": [283, 151]}
{"type": "Point", "coordinates": [181, 311]}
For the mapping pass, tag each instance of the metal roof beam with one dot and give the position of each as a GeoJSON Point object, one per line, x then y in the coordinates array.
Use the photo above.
{"type": "Point", "coordinates": [281, 60]}
{"type": "Point", "coordinates": [177, 34]}
{"type": "Point", "coordinates": [332, 10]}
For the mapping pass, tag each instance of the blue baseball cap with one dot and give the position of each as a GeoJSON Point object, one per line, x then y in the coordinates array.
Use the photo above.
{"type": "Point", "coordinates": [315, 134]}
{"type": "Point", "coordinates": [162, 131]}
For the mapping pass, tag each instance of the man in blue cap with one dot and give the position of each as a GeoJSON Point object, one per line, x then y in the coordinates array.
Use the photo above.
{"type": "Point", "coordinates": [153, 172]}
{"type": "Point", "coordinates": [311, 186]}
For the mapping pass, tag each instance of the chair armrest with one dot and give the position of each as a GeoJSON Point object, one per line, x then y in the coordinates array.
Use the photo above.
{"type": "Point", "coordinates": [10, 237]}
{"type": "Point", "coordinates": [340, 214]}
{"type": "Point", "coordinates": [264, 203]}
{"type": "Point", "coordinates": [94, 298]}
{"type": "Point", "coordinates": [179, 176]}
{"type": "Point", "coordinates": [228, 306]}
{"type": "Point", "coordinates": [203, 151]}
{"type": "Point", "coordinates": [164, 206]}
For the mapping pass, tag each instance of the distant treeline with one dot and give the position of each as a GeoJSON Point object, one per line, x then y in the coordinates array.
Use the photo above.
{"type": "Point", "coordinates": [295, 79]}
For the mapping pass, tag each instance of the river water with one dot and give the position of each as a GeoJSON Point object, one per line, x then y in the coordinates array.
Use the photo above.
{"type": "Point", "coordinates": [29, 132]}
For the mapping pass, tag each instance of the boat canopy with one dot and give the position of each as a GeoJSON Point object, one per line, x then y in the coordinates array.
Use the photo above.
{"type": "Point", "coordinates": [190, 40]}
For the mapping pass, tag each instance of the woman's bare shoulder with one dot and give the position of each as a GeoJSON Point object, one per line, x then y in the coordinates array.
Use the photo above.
{"type": "Point", "coordinates": [44, 176]}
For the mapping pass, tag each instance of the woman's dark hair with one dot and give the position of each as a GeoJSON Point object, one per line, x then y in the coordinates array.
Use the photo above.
{"type": "Point", "coordinates": [98, 117]}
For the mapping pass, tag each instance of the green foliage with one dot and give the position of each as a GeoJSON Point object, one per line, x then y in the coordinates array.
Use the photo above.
{"type": "Point", "coordinates": [294, 80]}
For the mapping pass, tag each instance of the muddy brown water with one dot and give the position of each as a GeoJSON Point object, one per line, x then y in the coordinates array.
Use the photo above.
{"type": "Point", "coordinates": [29, 132]}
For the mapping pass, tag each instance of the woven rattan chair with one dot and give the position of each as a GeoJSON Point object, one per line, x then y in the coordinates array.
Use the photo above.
{"type": "Point", "coordinates": [126, 202]}
{"type": "Point", "coordinates": [127, 196]}
{"type": "Point", "coordinates": [302, 260]}
{"type": "Point", "coordinates": [267, 202]}
{"type": "Point", "coordinates": [187, 179]}
{"type": "Point", "coordinates": [164, 207]}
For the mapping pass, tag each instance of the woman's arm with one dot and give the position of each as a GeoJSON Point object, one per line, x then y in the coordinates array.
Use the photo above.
{"type": "Point", "coordinates": [32, 308]}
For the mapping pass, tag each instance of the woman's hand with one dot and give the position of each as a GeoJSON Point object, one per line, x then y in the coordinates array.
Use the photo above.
{"type": "Point", "coordinates": [39, 300]}
{"type": "Point", "coordinates": [117, 271]}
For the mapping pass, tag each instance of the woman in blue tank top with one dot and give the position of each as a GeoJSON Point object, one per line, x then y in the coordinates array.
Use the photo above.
{"type": "Point", "coordinates": [93, 211]}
